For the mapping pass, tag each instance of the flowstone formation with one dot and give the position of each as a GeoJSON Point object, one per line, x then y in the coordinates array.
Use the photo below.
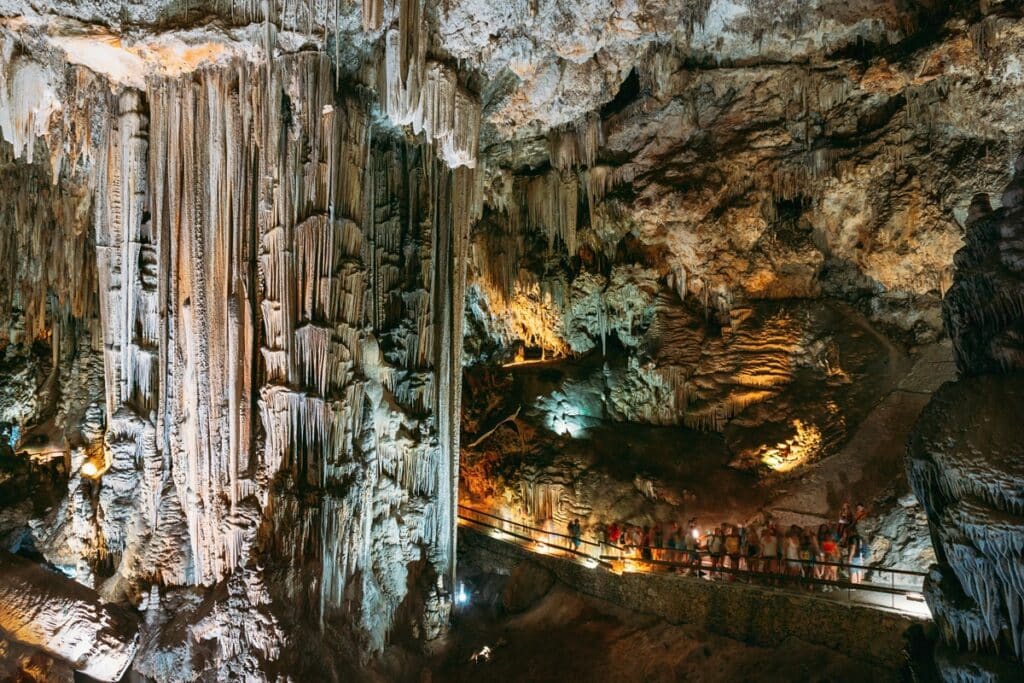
{"type": "Point", "coordinates": [966, 457]}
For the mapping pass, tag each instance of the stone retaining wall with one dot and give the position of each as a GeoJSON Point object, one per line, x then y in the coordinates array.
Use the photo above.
{"type": "Point", "coordinates": [755, 615]}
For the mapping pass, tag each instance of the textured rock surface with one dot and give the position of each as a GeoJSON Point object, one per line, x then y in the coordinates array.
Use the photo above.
{"type": "Point", "coordinates": [966, 458]}
{"type": "Point", "coordinates": [271, 294]}
{"type": "Point", "coordinates": [65, 620]}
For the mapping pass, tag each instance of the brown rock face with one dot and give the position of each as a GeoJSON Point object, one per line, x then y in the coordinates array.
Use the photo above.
{"type": "Point", "coordinates": [966, 457]}
{"type": "Point", "coordinates": [66, 620]}
{"type": "Point", "coordinates": [527, 584]}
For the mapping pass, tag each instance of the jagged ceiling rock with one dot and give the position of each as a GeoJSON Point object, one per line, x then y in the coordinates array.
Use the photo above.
{"type": "Point", "coordinates": [249, 223]}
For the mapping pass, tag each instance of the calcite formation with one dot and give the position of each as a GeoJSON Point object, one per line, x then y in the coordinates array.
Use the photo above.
{"type": "Point", "coordinates": [966, 459]}
{"type": "Point", "coordinates": [272, 283]}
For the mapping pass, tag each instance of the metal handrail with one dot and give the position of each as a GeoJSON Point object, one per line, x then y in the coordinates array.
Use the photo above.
{"type": "Point", "coordinates": [705, 552]}
{"type": "Point", "coordinates": [873, 587]}
{"type": "Point", "coordinates": [583, 541]}
{"type": "Point", "coordinates": [778, 558]}
{"type": "Point", "coordinates": [606, 560]}
{"type": "Point", "coordinates": [598, 560]}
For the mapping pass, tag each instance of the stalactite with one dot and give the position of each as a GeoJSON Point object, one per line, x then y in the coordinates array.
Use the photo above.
{"type": "Point", "coordinates": [373, 14]}
{"type": "Point", "coordinates": [656, 68]}
{"type": "Point", "coordinates": [425, 94]}
{"type": "Point", "coordinates": [551, 203]}
{"type": "Point", "coordinates": [576, 144]}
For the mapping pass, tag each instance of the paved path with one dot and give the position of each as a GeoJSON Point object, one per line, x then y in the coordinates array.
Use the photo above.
{"type": "Point", "coordinates": [885, 590]}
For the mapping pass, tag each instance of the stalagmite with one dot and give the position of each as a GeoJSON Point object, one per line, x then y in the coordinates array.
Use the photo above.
{"type": "Point", "coordinates": [964, 456]}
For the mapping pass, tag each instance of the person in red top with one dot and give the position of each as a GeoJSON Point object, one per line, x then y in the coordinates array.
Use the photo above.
{"type": "Point", "coordinates": [613, 533]}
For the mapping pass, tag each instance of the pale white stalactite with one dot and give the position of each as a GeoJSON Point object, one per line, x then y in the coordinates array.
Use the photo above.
{"type": "Point", "coordinates": [426, 94]}
{"type": "Point", "coordinates": [252, 241]}
{"type": "Point", "coordinates": [27, 99]}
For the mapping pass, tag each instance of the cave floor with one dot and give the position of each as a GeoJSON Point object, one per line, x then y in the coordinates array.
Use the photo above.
{"type": "Point", "coordinates": [567, 636]}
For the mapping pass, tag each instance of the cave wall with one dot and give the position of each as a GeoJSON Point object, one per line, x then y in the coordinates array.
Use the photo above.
{"type": "Point", "coordinates": [964, 458]}
{"type": "Point", "coordinates": [232, 280]}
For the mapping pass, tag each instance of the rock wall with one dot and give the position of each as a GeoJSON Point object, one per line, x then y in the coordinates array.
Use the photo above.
{"type": "Point", "coordinates": [66, 620]}
{"type": "Point", "coordinates": [965, 456]}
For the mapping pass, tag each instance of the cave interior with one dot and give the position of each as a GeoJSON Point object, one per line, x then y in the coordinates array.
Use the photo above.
{"type": "Point", "coordinates": [407, 340]}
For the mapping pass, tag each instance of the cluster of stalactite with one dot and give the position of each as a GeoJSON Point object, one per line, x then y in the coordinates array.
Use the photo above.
{"type": "Point", "coordinates": [965, 453]}
{"type": "Point", "coordinates": [279, 285]}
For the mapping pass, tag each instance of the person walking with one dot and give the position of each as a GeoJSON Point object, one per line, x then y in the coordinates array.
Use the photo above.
{"type": "Point", "coordinates": [716, 545]}
{"type": "Point", "coordinates": [691, 542]}
{"type": "Point", "coordinates": [769, 550]}
{"type": "Point", "coordinates": [673, 543]}
{"type": "Point", "coordinates": [792, 552]}
{"type": "Point", "coordinates": [806, 556]}
{"type": "Point", "coordinates": [753, 549]}
{"type": "Point", "coordinates": [575, 533]}
{"type": "Point", "coordinates": [845, 520]}
{"type": "Point", "coordinates": [830, 549]}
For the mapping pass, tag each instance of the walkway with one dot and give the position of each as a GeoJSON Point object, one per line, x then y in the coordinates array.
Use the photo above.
{"type": "Point", "coordinates": [882, 588]}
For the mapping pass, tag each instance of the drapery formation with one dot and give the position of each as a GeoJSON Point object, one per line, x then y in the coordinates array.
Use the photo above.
{"type": "Point", "coordinates": [280, 282]}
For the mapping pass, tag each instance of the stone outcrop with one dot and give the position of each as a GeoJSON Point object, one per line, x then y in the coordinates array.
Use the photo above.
{"type": "Point", "coordinates": [66, 620]}
{"type": "Point", "coordinates": [966, 458]}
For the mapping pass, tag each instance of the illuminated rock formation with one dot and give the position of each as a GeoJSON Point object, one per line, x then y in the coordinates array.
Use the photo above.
{"type": "Point", "coordinates": [65, 620]}
{"type": "Point", "coordinates": [277, 286]}
{"type": "Point", "coordinates": [240, 243]}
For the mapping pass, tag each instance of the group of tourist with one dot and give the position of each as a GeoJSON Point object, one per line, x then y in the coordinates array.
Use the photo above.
{"type": "Point", "coordinates": [809, 553]}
